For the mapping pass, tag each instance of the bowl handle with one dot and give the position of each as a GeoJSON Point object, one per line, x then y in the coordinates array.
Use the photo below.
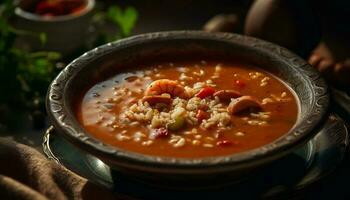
{"type": "Point", "coordinates": [46, 144]}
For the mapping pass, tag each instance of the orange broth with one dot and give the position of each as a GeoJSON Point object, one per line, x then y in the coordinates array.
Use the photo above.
{"type": "Point", "coordinates": [99, 111]}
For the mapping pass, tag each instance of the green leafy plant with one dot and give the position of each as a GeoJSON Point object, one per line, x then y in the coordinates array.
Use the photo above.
{"type": "Point", "coordinates": [25, 75]}
{"type": "Point", "coordinates": [125, 20]}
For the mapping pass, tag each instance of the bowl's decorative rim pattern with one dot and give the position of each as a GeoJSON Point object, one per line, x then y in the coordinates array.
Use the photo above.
{"type": "Point", "coordinates": [60, 117]}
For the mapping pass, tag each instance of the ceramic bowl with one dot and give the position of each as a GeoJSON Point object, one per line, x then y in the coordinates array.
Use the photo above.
{"type": "Point", "coordinates": [310, 89]}
{"type": "Point", "coordinates": [65, 33]}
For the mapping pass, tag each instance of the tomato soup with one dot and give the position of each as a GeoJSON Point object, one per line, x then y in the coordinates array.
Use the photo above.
{"type": "Point", "coordinates": [188, 109]}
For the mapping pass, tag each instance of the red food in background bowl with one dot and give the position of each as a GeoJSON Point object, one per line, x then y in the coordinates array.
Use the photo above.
{"type": "Point", "coordinates": [59, 7]}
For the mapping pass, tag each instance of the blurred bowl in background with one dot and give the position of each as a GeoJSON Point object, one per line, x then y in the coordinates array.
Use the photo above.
{"type": "Point", "coordinates": [65, 33]}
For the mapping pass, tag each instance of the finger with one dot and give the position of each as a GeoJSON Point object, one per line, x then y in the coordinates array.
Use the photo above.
{"type": "Point", "coordinates": [325, 66]}
{"type": "Point", "coordinates": [314, 60]}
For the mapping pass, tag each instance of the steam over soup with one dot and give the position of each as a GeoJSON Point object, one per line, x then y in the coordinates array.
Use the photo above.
{"type": "Point", "coordinates": [189, 109]}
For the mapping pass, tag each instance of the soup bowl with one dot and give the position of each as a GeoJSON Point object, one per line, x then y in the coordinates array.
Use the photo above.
{"type": "Point", "coordinates": [93, 66]}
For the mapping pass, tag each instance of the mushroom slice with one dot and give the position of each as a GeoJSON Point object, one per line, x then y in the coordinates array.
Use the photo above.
{"type": "Point", "coordinates": [152, 100]}
{"type": "Point", "coordinates": [227, 95]}
{"type": "Point", "coordinates": [242, 103]}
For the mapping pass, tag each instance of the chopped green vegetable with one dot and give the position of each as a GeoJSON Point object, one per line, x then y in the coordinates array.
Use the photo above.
{"type": "Point", "coordinates": [179, 122]}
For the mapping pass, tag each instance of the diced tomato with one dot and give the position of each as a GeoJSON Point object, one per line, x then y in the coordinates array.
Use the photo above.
{"type": "Point", "coordinates": [203, 107]}
{"type": "Point", "coordinates": [201, 115]}
{"type": "Point", "coordinates": [59, 7]}
{"type": "Point", "coordinates": [240, 83]}
{"type": "Point", "coordinates": [205, 92]}
{"type": "Point", "coordinates": [159, 133]}
{"type": "Point", "coordinates": [225, 143]}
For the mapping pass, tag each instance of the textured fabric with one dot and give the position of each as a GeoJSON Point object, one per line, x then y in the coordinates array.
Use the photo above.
{"type": "Point", "coordinates": [27, 174]}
